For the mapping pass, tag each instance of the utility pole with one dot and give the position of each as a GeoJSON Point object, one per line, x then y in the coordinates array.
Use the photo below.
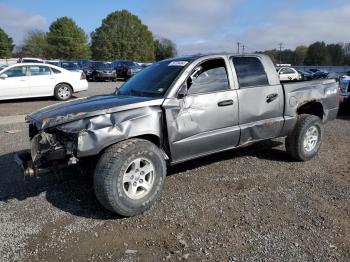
{"type": "Point", "coordinates": [281, 47]}
{"type": "Point", "coordinates": [243, 49]}
{"type": "Point", "coordinates": [238, 46]}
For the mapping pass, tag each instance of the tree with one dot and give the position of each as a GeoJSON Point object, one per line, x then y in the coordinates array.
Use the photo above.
{"type": "Point", "coordinates": [6, 45]}
{"type": "Point", "coordinates": [288, 57]}
{"type": "Point", "coordinates": [300, 54]}
{"type": "Point", "coordinates": [35, 45]}
{"type": "Point", "coordinates": [122, 35]}
{"type": "Point", "coordinates": [336, 54]}
{"type": "Point", "coordinates": [317, 54]}
{"type": "Point", "coordinates": [273, 54]}
{"type": "Point", "coordinates": [66, 40]}
{"type": "Point", "coordinates": [164, 48]}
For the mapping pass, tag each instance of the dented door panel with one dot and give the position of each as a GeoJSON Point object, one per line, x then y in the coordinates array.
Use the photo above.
{"type": "Point", "coordinates": [197, 125]}
{"type": "Point", "coordinates": [260, 118]}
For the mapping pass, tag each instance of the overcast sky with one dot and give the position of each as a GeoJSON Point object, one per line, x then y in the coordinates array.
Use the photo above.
{"type": "Point", "coordinates": [197, 25]}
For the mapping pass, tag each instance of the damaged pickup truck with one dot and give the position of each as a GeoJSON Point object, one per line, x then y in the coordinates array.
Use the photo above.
{"type": "Point", "coordinates": [173, 111]}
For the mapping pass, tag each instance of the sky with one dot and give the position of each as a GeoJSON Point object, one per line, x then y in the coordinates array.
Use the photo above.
{"type": "Point", "coordinates": [197, 26]}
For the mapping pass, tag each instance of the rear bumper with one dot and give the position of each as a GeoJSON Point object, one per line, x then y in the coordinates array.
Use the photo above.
{"type": "Point", "coordinates": [82, 85]}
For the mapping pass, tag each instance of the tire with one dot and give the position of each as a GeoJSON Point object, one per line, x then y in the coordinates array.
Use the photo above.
{"type": "Point", "coordinates": [63, 92]}
{"type": "Point", "coordinates": [116, 174]}
{"type": "Point", "coordinates": [297, 143]}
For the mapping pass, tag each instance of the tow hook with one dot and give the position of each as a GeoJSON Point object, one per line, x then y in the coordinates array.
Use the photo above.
{"type": "Point", "coordinates": [29, 171]}
{"type": "Point", "coordinates": [24, 160]}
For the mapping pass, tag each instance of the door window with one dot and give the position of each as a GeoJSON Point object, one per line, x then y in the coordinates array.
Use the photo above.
{"type": "Point", "coordinates": [250, 72]}
{"type": "Point", "coordinates": [39, 70]}
{"type": "Point", "coordinates": [17, 71]}
{"type": "Point", "coordinates": [210, 76]}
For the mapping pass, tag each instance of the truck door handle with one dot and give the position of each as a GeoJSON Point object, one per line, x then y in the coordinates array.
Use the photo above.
{"type": "Point", "coordinates": [225, 103]}
{"type": "Point", "coordinates": [271, 97]}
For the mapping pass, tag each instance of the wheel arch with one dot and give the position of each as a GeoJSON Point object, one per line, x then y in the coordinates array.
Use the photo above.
{"type": "Point", "coordinates": [315, 108]}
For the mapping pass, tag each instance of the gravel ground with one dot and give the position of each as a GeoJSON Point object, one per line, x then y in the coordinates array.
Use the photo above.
{"type": "Point", "coordinates": [248, 204]}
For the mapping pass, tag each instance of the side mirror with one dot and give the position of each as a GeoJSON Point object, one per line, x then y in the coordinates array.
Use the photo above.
{"type": "Point", "coordinates": [3, 76]}
{"type": "Point", "coordinates": [182, 91]}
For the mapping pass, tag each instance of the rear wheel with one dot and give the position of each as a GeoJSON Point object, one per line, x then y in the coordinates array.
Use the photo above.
{"type": "Point", "coordinates": [129, 176]}
{"type": "Point", "coordinates": [305, 140]}
{"type": "Point", "coordinates": [63, 92]}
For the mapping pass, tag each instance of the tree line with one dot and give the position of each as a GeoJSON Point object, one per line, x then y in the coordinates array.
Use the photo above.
{"type": "Point", "coordinates": [318, 53]}
{"type": "Point", "coordinates": [121, 35]}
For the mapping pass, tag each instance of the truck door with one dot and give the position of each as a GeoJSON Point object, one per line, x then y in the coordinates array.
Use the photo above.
{"type": "Point", "coordinates": [205, 119]}
{"type": "Point", "coordinates": [260, 104]}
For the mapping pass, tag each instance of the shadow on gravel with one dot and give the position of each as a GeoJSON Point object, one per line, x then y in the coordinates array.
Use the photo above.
{"type": "Point", "coordinates": [69, 190]}
{"type": "Point", "coordinates": [262, 150]}
{"type": "Point", "coordinates": [72, 192]}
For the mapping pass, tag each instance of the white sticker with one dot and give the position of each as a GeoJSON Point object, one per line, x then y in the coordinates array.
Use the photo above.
{"type": "Point", "coordinates": [178, 63]}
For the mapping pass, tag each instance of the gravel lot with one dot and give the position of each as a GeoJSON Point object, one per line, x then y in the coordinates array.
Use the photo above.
{"type": "Point", "coordinates": [249, 204]}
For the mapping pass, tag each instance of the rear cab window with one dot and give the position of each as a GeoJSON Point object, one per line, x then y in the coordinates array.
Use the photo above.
{"type": "Point", "coordinates": [250, 72]}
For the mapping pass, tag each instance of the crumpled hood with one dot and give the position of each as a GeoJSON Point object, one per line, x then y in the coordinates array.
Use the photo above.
{"type": "Point", "coordinates": [86, 107]}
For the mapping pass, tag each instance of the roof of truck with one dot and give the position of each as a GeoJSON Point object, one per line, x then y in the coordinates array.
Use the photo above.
{"type": "Point", "coordinates": [196, 56]}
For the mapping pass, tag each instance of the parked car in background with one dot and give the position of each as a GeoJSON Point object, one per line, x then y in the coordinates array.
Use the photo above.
{"type": "Point", "coordinates": [37, 79]}
{"type": "Point", "coordinates": [306, 75]}
{"type": "Point", "coordinates": [30, 60]}
{"type": "Point", "coordinates": [87, 69]}
{"type": "Point", "coordinates": [126, 69]}
{"type": "Point", "coordinates": [102, 71]}
{"type": "Point", "coordinates": [53, 62]}
{"type": "Point", "coordinates": [318, 74]}
{"type": "Point", "coordinates": [289, 74]}
{"type": "Point", "coordinates": [70, 66]}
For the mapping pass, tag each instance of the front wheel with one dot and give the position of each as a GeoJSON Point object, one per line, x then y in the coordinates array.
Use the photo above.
{"type": "Point", "coordinates": [129, 177]}
{"type": "Point", "coordinates": [305, 140]}
{"type": "Point", "coordinates": [63, 92]}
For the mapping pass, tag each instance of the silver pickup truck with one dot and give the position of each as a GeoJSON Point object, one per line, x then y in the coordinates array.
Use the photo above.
{"type": "Point", "coordinates": [174, 111]}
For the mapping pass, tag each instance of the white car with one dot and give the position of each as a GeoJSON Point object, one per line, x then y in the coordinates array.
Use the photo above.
{"type": "Point", "coordinates": [37, 80]}
{"type": "Point", "coordinates": [30, 60]}
{"type": "Point", "coordinates": [289, 74]}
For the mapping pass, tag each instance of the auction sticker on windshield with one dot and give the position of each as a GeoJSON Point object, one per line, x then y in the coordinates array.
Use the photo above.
{"type": "Point", "coordinates": [178, 63]}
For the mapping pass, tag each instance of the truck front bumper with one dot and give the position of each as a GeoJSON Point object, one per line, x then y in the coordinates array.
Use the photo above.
{"type": "Point", "coordinates": [47, 154]}
{"type": "Point", "coordinates": [30, 169]}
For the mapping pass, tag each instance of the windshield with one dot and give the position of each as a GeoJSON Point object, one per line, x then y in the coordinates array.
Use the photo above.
{"type": "Point", "coordinates": [129, 63]}
{"type": "Point", "coordinates": [154, 80]}
{"type": "Point", "coordinates": [69, 65]}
